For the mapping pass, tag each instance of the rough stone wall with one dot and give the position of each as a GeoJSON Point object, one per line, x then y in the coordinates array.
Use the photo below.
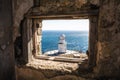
{"type": "Point", "coordinates": [108, 58]}
{"type": "Point", "coordinates": [37, 36]}
{"type": "Point", "coordinates": [20, 8]}
{"type": "Point", "coordinates": [60, 6]}
{"type": "Point", "coordinates": [95, 2]}
{"type": "Point", "coordinates": [93, 38]}
{"type": "Point", "coordinates": [7, 69]}
{"type": "Point", "coordinates": [10, 16]}
{"type": "Point", "coordinates": [28, 73]}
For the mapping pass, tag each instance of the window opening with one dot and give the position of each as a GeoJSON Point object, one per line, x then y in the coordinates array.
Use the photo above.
{"type": "Point", "coordinates": [76, 35]}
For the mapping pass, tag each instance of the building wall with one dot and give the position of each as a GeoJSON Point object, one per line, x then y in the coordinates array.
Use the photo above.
{"type": "Point", "coordinates": [20, 9]}
{"type": "Point", "coordinates": [108, 58]}
{"type": "Point", "coordinates": [20, 24]}
{"type": "Point", "coordinates": [108, 45]}
{"type": "Point", "coordinates": [7, 69]}
{"type": "Point", "coordinates": [107, 37]}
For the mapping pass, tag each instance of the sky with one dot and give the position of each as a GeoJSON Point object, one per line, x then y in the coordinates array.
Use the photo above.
{"type": "Point", "coordinates": [66, 25]}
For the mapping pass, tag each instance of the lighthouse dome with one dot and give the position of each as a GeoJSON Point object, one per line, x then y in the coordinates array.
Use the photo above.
{"type": "Point", "coordinates": [62, 36]}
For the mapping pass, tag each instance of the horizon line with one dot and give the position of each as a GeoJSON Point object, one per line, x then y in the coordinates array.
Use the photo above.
{"type": "Point", "coordinates": [65, 30]}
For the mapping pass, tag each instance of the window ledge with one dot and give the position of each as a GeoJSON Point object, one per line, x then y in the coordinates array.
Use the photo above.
{"type": "Point", "coordinates": [53, 65]}
{"type": "Point", "coordinates": [57, 63]}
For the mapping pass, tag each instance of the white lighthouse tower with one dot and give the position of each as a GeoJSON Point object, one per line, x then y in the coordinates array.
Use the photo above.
{"type": "Point", "coordinates": [62, 45]}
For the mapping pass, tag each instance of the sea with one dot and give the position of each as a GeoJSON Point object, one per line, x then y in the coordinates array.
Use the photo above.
{"type": "Point", "coordinates": [76, 40]}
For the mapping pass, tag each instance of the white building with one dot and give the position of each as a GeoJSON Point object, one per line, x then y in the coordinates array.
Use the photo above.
{"type": "Point", "coordinates": [62, 45]}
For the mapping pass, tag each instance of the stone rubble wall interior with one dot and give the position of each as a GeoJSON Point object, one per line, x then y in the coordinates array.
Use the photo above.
{"type": "Point", "coordinates": [108, 56]}
{"type": "Point", "coordinates": [27, 40]}
{"type": "Point", "coordinates": [60, 6]}
{"type": "Point", "coordinates": [45, 75]}
{"type": "Point", "coordinates": [53, 7]}
{"type": "Point", "coordinates": [20, 8]}
{"type": "Point", "coordinates": [104, 40]}
{"type": "Point", "coordinates": [108, 42]}
{"type": "Point", "coordinates": [21, 26]}
{"type": "Point", "coordinates": [93, 38]}
{"type": "Point", "coordinates": [67, 7]}
{"type": "Point", "coordinates": [37, 33]}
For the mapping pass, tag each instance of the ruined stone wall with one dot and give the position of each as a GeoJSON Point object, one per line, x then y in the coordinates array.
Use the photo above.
{"type": "Point", "coordinates": [108, 58]}
{"type": "Point", "coordinates": [108, 55]}
{"type": "Point", "coordinates": [20, 8]}
{"type": "Point", "coordinates": [7, 69]}
{"type": "Point", "coordinates": [52, 7]}
{"type": "Point", "coordinates": [49, 70]}
{"type": "Point", "coordinates": [11, 14]}
{"type": "Point", "coordinates": [108, 44]}
{"type": "Point", "coordinates": [44, 75]}
{"type": "Point", "coordinates": [94, 2]}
